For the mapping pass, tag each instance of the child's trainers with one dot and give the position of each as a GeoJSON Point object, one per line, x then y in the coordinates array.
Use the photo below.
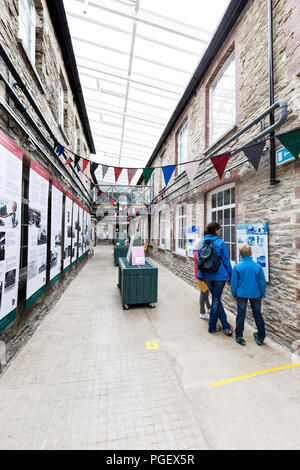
{"type": "Point", "coordinates": [241, 341]}
{"type": "Point", "coordinates": [257, 340]}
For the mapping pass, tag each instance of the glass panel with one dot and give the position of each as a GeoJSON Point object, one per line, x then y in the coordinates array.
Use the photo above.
{"type": "Point", "coordinates": [220, 199]}
{"type": "Point", "coordinates": [220, 217]}
{"type": "Point", "coordinates": [226, 197]}
{"type": "Point", "coordinates": [233, 233]}
{"type": "Point", "coordinates": [233, 252]}
{"type": "Point", "coordinates": [233, 215]}
{"type": "Point", "coordinates": [213, 216]}
{"type": "Point", "coordinates": [228, 248]}
{"type": "Point", "coordinates": [232, 195]}
{"type": "Point", "coordinates": [227, 217]}
{"type": "Point", "coordinates": [214, 201]}
{"type": "Point", "coordinates": [226, 234]}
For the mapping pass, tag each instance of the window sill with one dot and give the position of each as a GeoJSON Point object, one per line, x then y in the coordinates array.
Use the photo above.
{"type": "Point", "coordinates": [211, 146]}
{"type": "Point", "coordinates": [179, 255]}
{"type": "Point", "coordinates": [161, 248]}
{"type": "Point", "coordinates": [32, 67]}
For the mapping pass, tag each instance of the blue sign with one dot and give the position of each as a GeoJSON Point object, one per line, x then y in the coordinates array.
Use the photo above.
{"type": "Point", "coordinates": [283, 156]}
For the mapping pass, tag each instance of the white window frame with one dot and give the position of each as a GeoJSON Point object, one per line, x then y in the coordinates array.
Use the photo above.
{"type": "Point", "coordinates": [61, 105]}
{"type": "Point", "coordinates": [212, 139]}
{"type": "Point", "coordinates": [182, 146]}
{"type": "Point", "coordinates": [211, 210]}
{"type": "Point", "coordinates": [27, 27]}
{"type": "Point", "coordinates": [181, 223]}
{"type": "Point", "coordinates": [162, 229]}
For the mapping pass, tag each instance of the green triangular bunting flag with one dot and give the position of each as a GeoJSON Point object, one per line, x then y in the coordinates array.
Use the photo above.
{"type": "Point", "coordinates": [147, 172]}
{"type": "Point", "coordinates": [291, 141]}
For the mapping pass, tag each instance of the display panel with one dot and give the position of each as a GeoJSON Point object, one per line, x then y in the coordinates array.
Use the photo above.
{"type": "Point", "coordinates": [56, 231]}
{"type": "Point", "coordinates": [37, 232]}
{"type": "Point", "coordinates": [68, 231]}
{"type": "Point", "coordinates": [256, 236]}
{"type": "Point", "coordinates": [11, 160]}
{"type": "Point", "coordinates": [80, 231]}
{"type": "Point", "coordinates": [75, 232]}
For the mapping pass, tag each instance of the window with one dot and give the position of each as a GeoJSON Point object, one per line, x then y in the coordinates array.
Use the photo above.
{"type": "Point", "coordinates": [162, 225]}
{"type": "Point", "coordinates": [61, 104]}
{"type": "Point", "coordinates": [182, 141]}
{"type": "Point", "coordinates": [222, 210]}
{"type": "Point", "coordinates": [222, 101]}
{"type": "Point", "coordinates": [27, 21]}
{"type": "Point", "coordinates": [181, 230]}
{"type": "Point", "coordinates": [152, 187]}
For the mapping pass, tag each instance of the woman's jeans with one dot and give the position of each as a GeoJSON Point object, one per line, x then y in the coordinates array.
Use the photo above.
{"type": "Point", "coordinates": [216, 311]}
{"type": "Point", "coordinates": [241, 314]}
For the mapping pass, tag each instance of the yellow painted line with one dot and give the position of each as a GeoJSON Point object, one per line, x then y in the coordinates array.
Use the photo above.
{"type": "Point", "coordinates": [247, 376]}
{"type": "Point", "coordinates": [152, 345]}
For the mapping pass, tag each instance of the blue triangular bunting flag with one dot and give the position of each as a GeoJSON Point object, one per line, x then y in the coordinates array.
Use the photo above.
{"type": "Point", "coordinates": [168, 171]}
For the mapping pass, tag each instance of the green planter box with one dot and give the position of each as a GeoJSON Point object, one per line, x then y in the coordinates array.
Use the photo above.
{"type": "Point", "coordinates": [120, 252]}
{"type": "Point", "coordinates": [138, 284]}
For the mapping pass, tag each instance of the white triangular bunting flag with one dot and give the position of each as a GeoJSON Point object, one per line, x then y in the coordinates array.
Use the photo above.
{"type": "Point", "coordinates": [191, 169]}
{"type": "Point", "coordinates": [104, 170]}
{"type": "Point", "coordinates": [131, 172]}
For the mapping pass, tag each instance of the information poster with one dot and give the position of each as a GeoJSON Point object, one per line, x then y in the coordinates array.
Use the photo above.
{"type": "Point", "coordinates": [68, 232]}
{"type": "Point", "coordinates": [89, 232]}
{"type": "Point", "coordinates": [256, 236]}
{"type": "Point", "coordinates": [193, 234]}
{"type": "Point", "coordinates": [11, 160]}
{"type": "Point", "coordinates": [80, 231]}
{"type": "Point", "coordinates": [75, 232]}
{"type": "Point", "coordinates": [56, 231]}
{"type": "Point", "coordinates": [85, 230]}
{"type": "Point", "coordinates": [37, 232]}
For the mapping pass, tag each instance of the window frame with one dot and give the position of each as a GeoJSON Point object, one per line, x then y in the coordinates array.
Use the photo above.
{"type": "Point", "coordinates": [27, 29]}
{"type": "Point", "coordinates": [182, 158]}
{"type": "Point", "coordinates": [61, 105]}
{"type": "Point", "coordinates": [162, 229]}
{"type": "Point", "coordinates": [211, 210]}
{"type": "Point", "coordinates": [179, 217]}
{"type": "Point", "coordinates": [227, 63]}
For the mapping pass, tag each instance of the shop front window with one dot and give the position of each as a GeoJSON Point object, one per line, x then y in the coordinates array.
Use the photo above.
{"type": "Point", "coordinates": [181, 230]}
{"type": "Point", "coordinates": [222, 210]}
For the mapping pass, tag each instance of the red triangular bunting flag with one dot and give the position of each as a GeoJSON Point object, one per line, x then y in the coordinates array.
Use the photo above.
{"type": "Point", "coordinates": [99, 192]}
{"type": "Point", "coordinates": [84, 164]}
{"type": "Point", "coordinates": [131, 172]}
{"type": "Point", "coordinates": [118, 171]}
{"type": "Point", "coordinates": [68, 161]}
{"type": "Point", "coordinates": [220, 162]}
{"type": "Point", "coordinates": [112, 201]}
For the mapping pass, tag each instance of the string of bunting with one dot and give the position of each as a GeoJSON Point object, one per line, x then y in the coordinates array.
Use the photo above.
{"type": "Point", "coordinates": [290, 140]}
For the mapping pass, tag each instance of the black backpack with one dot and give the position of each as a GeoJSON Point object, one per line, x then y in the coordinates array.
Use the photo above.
{"type": "Point", "coordinates": [208, 260]}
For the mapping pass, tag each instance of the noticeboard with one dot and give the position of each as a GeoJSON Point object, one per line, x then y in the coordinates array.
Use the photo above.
{"type": "Point", "coordinates": [255, 235]}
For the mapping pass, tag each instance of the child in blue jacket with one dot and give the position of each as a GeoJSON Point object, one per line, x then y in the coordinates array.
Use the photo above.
{"type": "Point", "coordinates": [248, 282]}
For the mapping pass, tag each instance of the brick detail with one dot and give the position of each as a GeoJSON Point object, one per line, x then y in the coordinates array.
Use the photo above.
{"type": "Point", "coordinates": [297, 192]}
{"type": "Point", "coordinates": [297, 240]}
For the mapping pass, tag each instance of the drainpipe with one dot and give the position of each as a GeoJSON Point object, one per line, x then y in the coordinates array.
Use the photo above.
{"type": "Point", "coordinates": [273, 180]}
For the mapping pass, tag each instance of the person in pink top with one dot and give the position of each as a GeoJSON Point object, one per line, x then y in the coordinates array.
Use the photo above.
{"type": "Point", "coordinates": [204, 300]}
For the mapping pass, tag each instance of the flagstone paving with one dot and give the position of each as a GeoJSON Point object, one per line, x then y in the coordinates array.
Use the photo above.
{"type": "Point", "coordinates": [88, 379]}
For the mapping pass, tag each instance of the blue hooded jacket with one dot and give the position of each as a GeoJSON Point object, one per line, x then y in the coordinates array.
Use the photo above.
{"type": "Point", "coordinates": [225, 269]}
{"type": "Point", "coordinates": [248, 279]}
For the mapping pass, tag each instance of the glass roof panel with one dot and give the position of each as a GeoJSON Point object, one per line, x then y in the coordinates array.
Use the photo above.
{"type": "Point", "coordinates": [135, 58]}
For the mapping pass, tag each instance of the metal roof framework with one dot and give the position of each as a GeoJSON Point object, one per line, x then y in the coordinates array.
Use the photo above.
{"type": "Point", "coordinates": [134, 65]}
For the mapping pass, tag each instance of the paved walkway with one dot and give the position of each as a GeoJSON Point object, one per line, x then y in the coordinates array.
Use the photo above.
{"type": "Point", "coordinates": [86, 379]}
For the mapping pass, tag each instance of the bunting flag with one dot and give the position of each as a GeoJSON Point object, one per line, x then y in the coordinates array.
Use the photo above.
{"type": "Point", "coordinates": [59, 149]}
{"type": "Point", "coordinates": [220, 162]}
{"type": "Point", "coordinates": [131, 172]}
{"type": "Point", "coordinates": [85, 163]}
{"type": "Point", "coordinates": [68, 161]}
{"type": "Point", "coordinates": [291, 141]}
{"type": "Point", "coordinates": [118, 171]}
{"type": "Point", "coordinates": [76, 161]}
{"type": "Point", "coordinates": [99, 192]}
{"type": "Point", "coordinates": [168, 171]}
{"type": "Point", "coordinates": [254, 153]}
{"type": "Point", "coordinates": [112, 201]}
{"type": "Point", "coordinates": [78, 168]}
{"type": "Point", "coordinates": [191, 169]}
{"type": "Point", "coordinates": [94, 167]}
{"type": "Point", "coordinates": [147, 172]}
{"type": "Point", "coordinates": [104, 170]}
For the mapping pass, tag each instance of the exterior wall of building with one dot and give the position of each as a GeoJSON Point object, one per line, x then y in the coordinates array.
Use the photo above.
{"type": "Point", "coordinates": [255, 199]}
{"type": "Point", "coordinates": [41, 77]}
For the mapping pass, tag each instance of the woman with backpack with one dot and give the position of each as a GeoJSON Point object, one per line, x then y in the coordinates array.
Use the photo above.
{"type": "Point", "coordinates": [214, 267]}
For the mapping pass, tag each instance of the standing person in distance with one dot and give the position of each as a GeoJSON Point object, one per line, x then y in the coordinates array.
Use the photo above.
{"type": "Point", "coordinates": [214, 267]}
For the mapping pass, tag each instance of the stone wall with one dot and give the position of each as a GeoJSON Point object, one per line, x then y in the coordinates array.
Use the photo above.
{"type": "Point", "coordinates": [256, 200]}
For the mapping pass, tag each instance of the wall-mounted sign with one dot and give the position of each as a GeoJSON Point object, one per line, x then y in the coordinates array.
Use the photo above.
{"type": "Point", "coordinates": [284, 156]}
{"type": "Point", "coordinates": [11, 160]}
{"type": "Point", "coordinates": [256, 236]}
{"type": "Point", "coordinates": [56, 231]}
{"type": "Point", "coordinates": [193, 234]}
{"type": "Point", "coordinates": [37, 232]}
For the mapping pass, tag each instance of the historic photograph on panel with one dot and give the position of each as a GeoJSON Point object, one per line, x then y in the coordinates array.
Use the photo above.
{"type": "Point", "coordinates": [34, 217]}
{"type": "Point", "coordinates": [10, 279]}
{"type": "Point", "coordinates": [2, 246]}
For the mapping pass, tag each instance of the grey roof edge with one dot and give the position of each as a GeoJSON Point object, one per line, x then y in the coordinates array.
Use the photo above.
{"type": "Point", "coordinates": [60, 23]}
{"type": "Point", "coordinates": [228, 21]}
